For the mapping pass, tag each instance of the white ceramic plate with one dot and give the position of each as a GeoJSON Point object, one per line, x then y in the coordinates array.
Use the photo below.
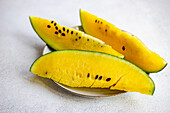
{"type": "Point", "coordinates": [91, 92]}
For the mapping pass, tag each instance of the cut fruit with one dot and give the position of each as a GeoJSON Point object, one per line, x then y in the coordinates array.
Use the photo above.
{"type": "Point", "coordinates": [76, 68]}
{"type": "Point", "coordinates": [60, 37]}
{"type": "Point", "coordinates": [129, 45]}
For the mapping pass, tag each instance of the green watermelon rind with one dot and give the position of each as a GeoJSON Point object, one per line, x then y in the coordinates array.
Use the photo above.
{"type": "Point", "coordinates": [81, 20]}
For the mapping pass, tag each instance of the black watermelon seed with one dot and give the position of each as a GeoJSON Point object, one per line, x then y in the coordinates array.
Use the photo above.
{"type": "Point", "coordinates": [95, 21]}
{"type": "Point", "coordinates": [101, 22]}
{"type": "Point", "coordinates": [56, 28]}
{"type": "Point", "coordinates": [63, 34]}
{"type": "Point", "coordinates": [113, 84]}
{"type": "Point", "coordinates": [96, 77]}
{"type": "Point", "coordinates": [88, 75]}
{"type": "Point", "coordinates": [101, 46]}
{"type": "Point", "coordinates": [108, 79]}
{"type": "Point", "coordinates": [45, 72]}
{"type": "Point", "coordinates": [79, 37]}
{"type": "Point", "coordinates": [55, 24]}
{"type": "Point", "coordinates": [87, 39]}
{"type": "Point", "coordinates": [76, 33]}
{"type": "Point", "coordinates": [123, 48]}
{"type": "Point", "coordinates": [71, 32]}
{"type": "Point", "coordinates": [48, 26]}
{"type": "Point", "coordinates": [63, 28]}
{"type": "Point", "coordinates": [98, 21]}
{"type": "Point", "coordinates": [105, 30]}
{"type": "Point", "coordinates": [56, 32]}
{"type": "Point", "coordinates": [76, 39]}
{"type": "Point", "coordinates": [59, 31]}
{"type": "Point", "coordinates": [67, 30]}
{"type": "Point", "coordinates": [100, 77]}
{"type": "Point", "coordinates": [52, 21]}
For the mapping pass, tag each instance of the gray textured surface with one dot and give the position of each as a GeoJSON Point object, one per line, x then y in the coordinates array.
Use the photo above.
{"type": "Point", "coordinates": [21, 91]}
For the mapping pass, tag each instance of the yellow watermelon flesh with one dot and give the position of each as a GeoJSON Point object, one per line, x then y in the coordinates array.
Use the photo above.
{"type": "Point", "coordinates": [77, 68]}
{"type": "Point", "coordinates": [127, 44]}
